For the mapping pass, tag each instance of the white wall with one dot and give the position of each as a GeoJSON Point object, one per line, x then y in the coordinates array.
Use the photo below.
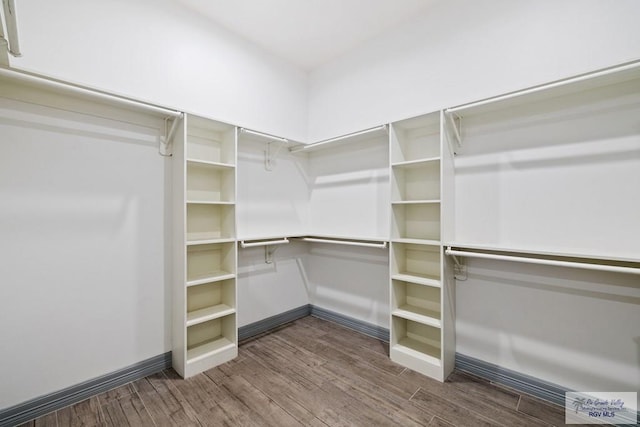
{"type": "Point", "coordinates": [464, 50]}
{"type": "Point", "coordinates": [352, 281]}
{"type": "Point", "coordinates": [268, 289]}
{"type": "Point", "coordinates": [159, 51]}
{"type": "Point", "coordinates": [82, 223]}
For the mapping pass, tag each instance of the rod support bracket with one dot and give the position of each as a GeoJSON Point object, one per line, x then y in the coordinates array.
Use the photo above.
{"type": "Point", "coordinates": [166, 140]}
{"type": "Point", "coordinates": [455, 124]}
{"type": "Point", "coordinates": [459, 268]}
{"type": "Point", "coordinates": [270, 156]}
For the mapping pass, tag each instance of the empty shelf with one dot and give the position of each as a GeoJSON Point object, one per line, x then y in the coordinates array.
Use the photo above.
{"type": "Point", "coordinates": [208, 313]}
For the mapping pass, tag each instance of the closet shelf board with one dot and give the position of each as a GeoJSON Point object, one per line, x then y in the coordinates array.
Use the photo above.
{"type": "Point", "coordinates": [208, 313]}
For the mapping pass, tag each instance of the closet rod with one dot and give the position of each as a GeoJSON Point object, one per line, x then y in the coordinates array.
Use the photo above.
{"type": "Point", "coordinates": [79, 90]}
{"type": "Point", "coordinates": [382, 245]}
{"type": "Point", "coordinates": [309, 147]}
{"type": "Point", "coordinates": [264, 135]}
{"type": "Point", "coordinates": [542, 261]}
{"type": "Point", "coordinates": [540, 88]}
{"type": "Point", "coordinates": [264, 243]}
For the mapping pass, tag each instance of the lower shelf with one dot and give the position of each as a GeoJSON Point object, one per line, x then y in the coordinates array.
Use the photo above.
{"type": "Point", "coordinates": [416, 346]}
{"type": "Point", "coordinates": [210, 344]}
{"type": "Point", "coordinates": [209, 348]}
{"type": "Point", "coordinates": [405, 354]}
{"type": "Point", "coordinates": [420, 350]}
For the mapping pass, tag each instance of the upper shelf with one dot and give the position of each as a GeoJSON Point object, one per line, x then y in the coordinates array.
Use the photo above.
{"type": "Point", "coordinates": [601, 78]}
{"type": "Point", "coordinates": [17, 80]}
{"type": "Point", "coordinates": [362, 135]}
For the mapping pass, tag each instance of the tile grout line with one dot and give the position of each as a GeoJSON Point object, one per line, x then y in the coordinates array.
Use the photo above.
{"type": "Point", "coordinates": [182, 400]}
{"type": "Point", "coordinates": [144, 405]}
{"type": "Point", "coordinates": [473, 411]}
{"type": "Point", "coordinates": [414, 393]}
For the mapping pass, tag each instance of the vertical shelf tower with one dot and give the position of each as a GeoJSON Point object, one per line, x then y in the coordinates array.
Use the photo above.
{"type": "Point", "coordinates": [205, 298]}
{"type": "Point", "coordinates": [421, 324]}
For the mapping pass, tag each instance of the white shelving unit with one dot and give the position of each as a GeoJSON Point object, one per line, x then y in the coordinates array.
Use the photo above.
{"type": "Point", "coordinates": [421, 323]}
{"type": "Point", "coordinates": [205, 296]}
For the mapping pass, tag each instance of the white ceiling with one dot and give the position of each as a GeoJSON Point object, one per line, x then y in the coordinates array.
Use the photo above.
{"type": "Point", "coordinates": [308, 33]}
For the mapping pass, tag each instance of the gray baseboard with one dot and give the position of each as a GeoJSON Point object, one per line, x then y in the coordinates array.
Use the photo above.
{"type": "Point", "coordinates": [521, 382]}
{"type": "Point", "coordinates": [39, 406]}
{"type": "Point", "coordinates": [351, 323]}
{"type": "Point", "coordinates": [265, 325]}
{"type": "Point", "coordinates": [524, 383]}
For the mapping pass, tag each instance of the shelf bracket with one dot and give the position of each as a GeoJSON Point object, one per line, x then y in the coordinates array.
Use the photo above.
{"type": "Point", "coordinates": [268, 253]}
{"type": "Point", "coordinates": [270, 156]}
{"type": "Point", "coordinates": [459, 269]}
{"type": "Point", "coordinates": [455, 124]}
{"type": "Point", "coordinates": [166, 141]}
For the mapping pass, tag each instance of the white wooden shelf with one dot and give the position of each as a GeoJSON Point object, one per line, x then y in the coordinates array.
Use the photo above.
{"type": "Point", "coordinates": [210, 348]}
{"type": "Point", "coordinates": [418, 314]}
{"type": "Point", "coordinates": [209, 202]}
{"type": "Point", "coordinates": [408, 164]}
{"type": "Point", "coordinates": [428, 242]}
{"type": "Point", "coordinates": [210, 241]}
{"type": "Point", "coordinates": [208, 313]}
{"type": "Point", "coordinates": [418, 279]}
{"type": "Point", "coordinates": [214, 165]}
{"type": "Point", "coordinates": [415, 202]}
{"type": "Point", "coordinates": [423, 352]}
{"type": "Point", "coordinates": [213, 276]}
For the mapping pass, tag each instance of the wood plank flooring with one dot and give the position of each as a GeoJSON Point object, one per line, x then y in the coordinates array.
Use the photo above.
{"type": "Point", "coordinates": [308, 373]}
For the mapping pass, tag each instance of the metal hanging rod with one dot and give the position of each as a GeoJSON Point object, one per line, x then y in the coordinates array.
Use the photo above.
{"type": "Point", "coordinates": [263, 135]}
{"type": "Point", "coordinates": [543, 87]}
{"type": "Point", "coordinates": [543, 261]}
{"type": "Point", "coordinates": [79, 90]}
{"type": "Point", "coordinates": [382, 245]}
{"type": "Point", "coordinates": [309, 147]}
{"type": "Point", "coordinates": [264, 243]}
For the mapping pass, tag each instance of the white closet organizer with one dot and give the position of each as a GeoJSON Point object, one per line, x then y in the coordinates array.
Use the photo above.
{"type": "Point", "coordinates": [552, 171]}
{"type": "Point", "coordinates": [204, 191]}
{"type": "Point", "coordinates": [421, 292]}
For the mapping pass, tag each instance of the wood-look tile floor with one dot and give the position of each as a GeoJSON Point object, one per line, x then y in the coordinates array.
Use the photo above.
{"type": "Point", "coordinates": [308, 373]}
